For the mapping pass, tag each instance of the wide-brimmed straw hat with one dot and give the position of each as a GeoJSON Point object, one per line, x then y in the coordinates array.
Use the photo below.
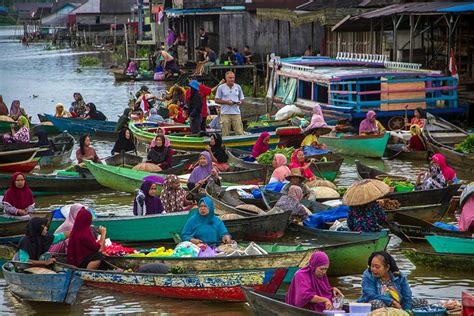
{"type": "Point", "coordinates": [295, 172]}
{"type": "Point", "coordinates": [365, 191]}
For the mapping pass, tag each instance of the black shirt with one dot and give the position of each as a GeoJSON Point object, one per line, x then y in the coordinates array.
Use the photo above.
{"type": "Point", "coordinates": [203, 40]}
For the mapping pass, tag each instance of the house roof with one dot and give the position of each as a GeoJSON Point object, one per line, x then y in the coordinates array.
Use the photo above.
{"type": "Point", "coordinates": [105, 7]}
{"type": "Point", "coordinates": [314, 5]}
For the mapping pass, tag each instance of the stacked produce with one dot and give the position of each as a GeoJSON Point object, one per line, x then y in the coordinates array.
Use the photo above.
{"type": "Point", "coordinates": [467, 146]}
{"type": "Point", "coordinates": [267, 157]}
{"type": "Point", "coordinates": [388, 204]}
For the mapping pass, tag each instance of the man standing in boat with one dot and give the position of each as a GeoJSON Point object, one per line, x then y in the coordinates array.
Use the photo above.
{"type": "Point", "coordinates": [230, 97]}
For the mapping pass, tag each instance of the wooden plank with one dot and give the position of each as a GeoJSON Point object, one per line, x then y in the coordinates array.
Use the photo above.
{"type": "Point", "coordinates": [400, 86]}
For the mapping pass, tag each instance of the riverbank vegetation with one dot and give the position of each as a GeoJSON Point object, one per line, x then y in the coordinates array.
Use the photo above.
{"type": "Point", "coordinates": [89, 61]}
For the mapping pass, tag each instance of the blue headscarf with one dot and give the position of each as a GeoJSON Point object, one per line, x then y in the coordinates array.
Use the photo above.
{"type": "Point", "coordinates": [210, 228]}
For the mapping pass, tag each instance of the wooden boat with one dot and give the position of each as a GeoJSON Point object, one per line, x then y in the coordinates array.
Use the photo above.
{"type": "Point", "coordinates": [445, 261]}
{"type": "Point", "coordinates": [16, 152]}
{"type": "Point", "coordinates": [21, 166]}
{"type": "Point", "coordinates": [441, 136]}
{"type": "Point", "coordinates": [453, 245]}
{"type": "Point", "coordinates": [422, 197]}
{"type": "Point", "coordinates": [413, 229]}
{"type": "Point", "coordinates": [215, 286]}
{"type": "Point", "coordinates": [6, 253]}
{"type": "Point", "coordinates": [79, 126]}
{"type": "Point", "coordinates": [51, 184]}
{"type": "Point", "coordinates": [120, 75]}
{"type": "Point", "coordinates": [264, 227]}
{"type": "Point", "coordinates": [244, 142]}
{"type": "Point", "coordinates": [372, 146]}
{"type": "Point", "coordinates": [10, 240]}
{"type": "Point", "coordinates": [327, 169]}
{"type": "Point", "coordinates": [63, 145]}
{"type": "Point", "coordinates": [123, 160]}
{"type": "Point", "coordinates": [13, 228]}
{"type": "Point", "coordinates": [263, 304]}
{"type": "Point", "coordinates": [60, 286]}
{"type": "Point", "coordinates": [407, 155]}
{"type": "Point", "coordinates": [50, 129]}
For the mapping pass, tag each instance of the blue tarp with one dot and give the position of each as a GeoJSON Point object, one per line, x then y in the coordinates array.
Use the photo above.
{"type": "Point", "coordinates": [3, 9]}
{"type": "Point", "coordinates": [318, 220]}
{"type": "Point", "coordinates": [459, 8]}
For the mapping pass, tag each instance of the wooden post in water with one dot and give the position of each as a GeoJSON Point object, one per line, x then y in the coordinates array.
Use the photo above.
{"type": "Point", "coordinates": [115, 32]}
{"type": "Point", "coordinates": [126, 39]}
{"type": "Point", "coordinates": [254, 71]}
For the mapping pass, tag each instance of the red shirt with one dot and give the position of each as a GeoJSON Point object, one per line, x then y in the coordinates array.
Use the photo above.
{"type": "Point", "coordinates": [204, 91]}
{"type": "Point", "coordinates": [416, 144]}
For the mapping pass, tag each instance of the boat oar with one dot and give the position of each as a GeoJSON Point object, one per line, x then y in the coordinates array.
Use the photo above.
{"type": "Point", "coordinates": [393, 156]}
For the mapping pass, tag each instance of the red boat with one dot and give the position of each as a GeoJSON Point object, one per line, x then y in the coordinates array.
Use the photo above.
{"type": "Point", "coordinates": [21, 166]}
{"type": "Point", "coordinates": [213, 286]}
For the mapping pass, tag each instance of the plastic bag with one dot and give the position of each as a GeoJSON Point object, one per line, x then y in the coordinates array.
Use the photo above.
{"type": "Point", "coordinates": [287, 112]}
{"type": "Point", "coordinates": [186, 249]}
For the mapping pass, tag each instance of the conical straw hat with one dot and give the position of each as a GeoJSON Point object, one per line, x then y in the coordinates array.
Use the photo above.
{"type": "Point", "coordinates": [365, 191]}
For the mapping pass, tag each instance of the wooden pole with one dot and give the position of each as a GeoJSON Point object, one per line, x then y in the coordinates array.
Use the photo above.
{"type": "Point", "coordinates": [412, 39]}
{"type": "Point", "coordinates": [126, 40]}
{"type": "Point", "coordinates": [115, 31]}
{"type": "Point", "coordinates": [254, 80]}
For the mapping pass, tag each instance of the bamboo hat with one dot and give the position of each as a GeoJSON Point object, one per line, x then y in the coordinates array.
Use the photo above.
{"type": "Point", "coordinates": [295, 172]}
{"type": "Point", "coordinates": [365, 191]}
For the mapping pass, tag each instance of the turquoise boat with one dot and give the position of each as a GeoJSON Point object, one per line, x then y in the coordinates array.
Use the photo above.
{"type": "Point", "coordinates": [79, 126]}
{"type": "Point", "coordinates": [371, 146]}
{"type": "Point", "coordinates": [454, 245]}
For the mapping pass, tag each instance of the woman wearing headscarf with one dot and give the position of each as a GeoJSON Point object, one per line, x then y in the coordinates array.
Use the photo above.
{"type": "Point", "coordinates": [93, 114]}
{"type": "Point", "coordinates": [173, 196]}
{"type": "Point", "coordinates": [33, 247]}
{"type": "Point", "coordinates": [466, 220]}
{"type": "Point", "coordinates": [3, 107]}
{"type": "Point", "coordinates": [298, 161]}
{"type": "Point", "coordinates": [202, 172]}
{"type": "Point", "coordinates": [61, 247]}
{"type": "Point", "coordinates": [418, 119]}
{"type": "Point", "coordinates": [261, 145]}
{"type": "Point", "coordinates": [123, 120]}
{"type": "Point", "coordinates": [295, 178]}
{"type": "Point", "coordinates": [370, 125]}
{"type": "Point", "coordinates": [204, 227]}
{"type": "Point", "coordinates": [16, 110]}
{"type": "Point", "coordinates": [78, 106]}
{"type": "Point", "coordinates": [448, 172]}
{"type": "Point", "coordinates": [18, 199]}
{"type": "Point", "coordinates": [61, 112]}
{"type": "Point", "coordinates": [291, 203]}
{"type": "Point", "coordinates": [431, 179]}
{"type": "Point", "coordinates": [125, 142]}
{"type": "Point", "coordinates": [310, 288]}
{"type": "Point", "coordinates": [217, 151]}
{"type": "Point", "coordinates": [154, 116]}
{"type": "Point", "coordinates": [83, 251]}
{"type": "Point", "coordinates": [383, 285]}
{"type": "Point", "coordinates": [316, 128]}
{"type": "Point", "coordinates": [86, 151]}
{"type": "Point", "coordinates": [160, 154]}
{"type": "Point", "coordinates": [160, 131]}
{"type": "Point", "coordinates": [20, 136]}
{"type": "Point", "coordinates": [281, 170]}
{"type": "Point", "coordinates": [416, 142]}
{"type": "Point", "coordinates": [44, 142]}
{"type": "Point", "coordinates": [146, 202]}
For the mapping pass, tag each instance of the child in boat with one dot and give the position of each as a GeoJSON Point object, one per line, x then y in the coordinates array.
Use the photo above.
{"type": "Point", "coordinates": [418, 119]}
{"type": "Point", "coordinates": [18, 199]}
{"type": "Point", "coordinates": [310, 288]}
{"type": "Point", "coordinates": [370, 125]}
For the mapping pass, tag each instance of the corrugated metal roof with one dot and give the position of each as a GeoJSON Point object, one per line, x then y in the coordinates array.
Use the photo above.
{"type": "Point", "coordinates": [407, 8]}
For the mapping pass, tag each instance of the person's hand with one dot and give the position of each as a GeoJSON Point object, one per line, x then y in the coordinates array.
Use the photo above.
{"type": "Point", "coordinates": [50, 261]}
{"type": "Point", "coordinates": [208, 148]}
{"type": "Point", "coordinates": [102, 230]}
{"type": "Point", "coordinates": [312, 160]}
{"type": "Point", "coordinates": [396, 305]}
{"type": "Point", "coordinates": [201, 182]}
{"type": "Point", "coordinates": [222, 81]}
{"type": "Point", "coordinates": [227, 240]}
{"type": "Point", "coordinates": [12, 125]}
{"type": "Point", "coordinates": [21, 213]}
{"type": "Point", "coordinates": [336, 292]}
{"type": "Point", "coordinates": [328, 304]}
{"type": "Point", "coordinates": [230, 102]}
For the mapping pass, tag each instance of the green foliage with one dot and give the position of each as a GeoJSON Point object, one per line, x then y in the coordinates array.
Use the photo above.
{"type": "Point", "coordinates": [467, 146]}
{"type": "Point", "coordinates": [89, 61]}
{"type": "Point", "coordinates": [247, 89]}
{"type": "Point", "coordinates": [7, 20]}
{"type": "Point", "coordinates": [267, 157]}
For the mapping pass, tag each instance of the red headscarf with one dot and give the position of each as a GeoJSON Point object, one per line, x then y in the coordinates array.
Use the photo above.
{"type": "Point", "coordinates": [19, 198]}
{"type": "Point", "coordinates": [81, 241]}
{"type": "Point", "coordinates": [296, 164]}
{"type": "Point", "coordinates": [259, 147]}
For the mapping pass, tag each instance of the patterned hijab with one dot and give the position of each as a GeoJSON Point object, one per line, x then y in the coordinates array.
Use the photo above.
{"type": "Point", "coordinates": [172, 199]}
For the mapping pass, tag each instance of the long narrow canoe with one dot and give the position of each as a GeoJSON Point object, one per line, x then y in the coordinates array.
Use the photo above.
{"type": "Point", "coordinates": [407, 155]}
{"type": "Point", "coordinates": [79, 126]}
{"type": "Point", "coordinates": [444, 261]}
{"type": "Point", "coordinates": [21, 166]}
{"type": "Point", "coordinates": [372, 146]}
{"type": "Point", "coordinates": [445, 244]}
{"type": "Point", "coordinates": [244, 142]}
{"type": "Point", "coordinates": [63, 145]}
{"type": "Point", "coordinates": [263, 304]}
{"type": "Point", "coordinates": [13, 228]}
{"type": "Point", "coordinates": [60, 287]}
{"type": "Point", "coordinates": [214, 286]}
{"type": "Point", "coordinates": [16, 155]}
{"type": "Point", "coordinates": [441, 136]}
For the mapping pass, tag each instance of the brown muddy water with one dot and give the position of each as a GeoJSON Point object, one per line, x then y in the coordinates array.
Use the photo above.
{"type": "Point", "coordinates": [41, 78]}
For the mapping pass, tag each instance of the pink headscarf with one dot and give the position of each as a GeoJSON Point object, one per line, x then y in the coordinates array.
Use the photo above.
{"type": "Point", "coordinates": [295, 192]}
{"type": "Point", "coordinates": [281, 171]}
{"type": "Point", "coordinates": [295, 164]}
{"type": "Point", "coordinates": [305, 284]}
{"type": "Point", "coordinates": [65, 227]}
{"type": "Point", "coordinates": [159, 131]}
{"type": "Point", "coordinates": [367, 125]}
{"type": "Point", "coordinates": [448, 172]}
{"type": "Point", "coordinates": [259, 147]}
{"type": "Point", "coordinates": [317, 120]}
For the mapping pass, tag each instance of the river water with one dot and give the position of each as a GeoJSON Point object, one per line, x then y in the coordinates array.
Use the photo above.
{"type": "Point", "coordinates": [40, 78]}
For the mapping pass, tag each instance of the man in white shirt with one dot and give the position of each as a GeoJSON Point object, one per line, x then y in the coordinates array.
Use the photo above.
{"type": "Point", "coordinates": [230, 96]}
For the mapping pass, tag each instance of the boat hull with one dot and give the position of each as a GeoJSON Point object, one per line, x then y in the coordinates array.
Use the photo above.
{"type": "Point", "coordinates": [453, 245]}
{"type": "Point", "coordinates": [78, 126]}
{"type": "Point", "coordinates": [22, 166]}
{"type": "Point", "coordinates": [372, 146]}
{"type": "Point", "coordinates": [444, 261]}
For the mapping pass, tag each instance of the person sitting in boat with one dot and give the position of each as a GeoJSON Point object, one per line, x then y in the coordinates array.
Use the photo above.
{"type": "Point", "coordinates": [176, 95]}
{"type": "Point", "coordinates": [44, 142]}
{"type": "Point", "coordinates": [177, 114]}
{"type": "Point", "coordinates": [173, 196]}
{"type": "Point", "coordinates": [160, 154]}
{"type": "Point", "coordinates": [281, 170]}
{"type": "Point", "coordinates": [22, 135]}
{"type": "Point", "coordinates": [16, 111]}
{"type": "Point", "coordinates": [418, 119]}
{"type": "Point", "coordinates": [316, 128]}
{"type": "Point", "coordinates": [205, 228]}
{"type": "Point", "coordinates": [383, 285]}
{"type": "Point", "coordinates": [78, 107]}
{"type": "Point", "coordinates": [261, 145]}
{"type": "Point", "coordinates": [365, 214]}
{"type": "Point", "coordinates": [295, 178]}
{"type": "Point", "coordinates": [61, 112]}
{"type": "Point", "coordinates": [3, 107]}
{"type": "Point", "coordinates": [217, 151]}
{"type": "Point", "coordinates": [416, 142]}
{"type": "Point", "coordinates": [132, 69]}
{"type": "Point", "coordinates": [125, 142]}
{"type": "Point", "coordinates": [18, 199]}
{"type": "Point", "coordinates": [33, 247]}
{"type": "Point", "coordinates": [93, 113]}
{"type": "Point", "coordinates": [83, 251]}
{"type": "Point", "coordinates": [123, 120]}
{"type": "Point", "coordinates": [310, 288]}
{"type": "Point", "coordinates": [86, 151]}
{"type": "Point", "coordinates": [154, 117]}
{"type": "Point", "coordinates": [466, 220]}
{"type": "Point", "coordinates": [66, 226]}
{"type": "Point", "coordinates": [431, 179]}
{"type": "Point", "coordinates": [448, 172]}
{"type": "Point", "coordinates": [203, 172]}
{"type": "Point", "coordinates": [146, 202]}
{"type": "Point", "coordinates": [170, 65]}
{"type": "Point", "coordinates": [291, 202]}
{"type": "Point", "coordinates": [370, 125]}
{"type": "Point", "coordinates": [298, 161]}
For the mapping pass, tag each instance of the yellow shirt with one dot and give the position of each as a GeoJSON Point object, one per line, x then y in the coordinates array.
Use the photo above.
{"type": "Point", "coordinates": [380, 127]}
{"type": "Point", "coordinates": [309, 140]}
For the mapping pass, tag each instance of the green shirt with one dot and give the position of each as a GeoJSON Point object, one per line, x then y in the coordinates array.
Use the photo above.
{"type": "Point", "coordinates": [25, 257]}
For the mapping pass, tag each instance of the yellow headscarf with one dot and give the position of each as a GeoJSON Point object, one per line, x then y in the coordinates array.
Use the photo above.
{"type": "Point", "coordinates": [173, 110]}
{"type": "Point", "coordinates": [415, 129]}
{"type": "Point", "coordinates": [60, 110]}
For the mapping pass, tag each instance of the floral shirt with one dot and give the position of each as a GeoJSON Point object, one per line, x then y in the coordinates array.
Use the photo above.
{"type": "Point", "coordinates": [366, 218]}
{"type": "Point", "coordinates": [22, 136]}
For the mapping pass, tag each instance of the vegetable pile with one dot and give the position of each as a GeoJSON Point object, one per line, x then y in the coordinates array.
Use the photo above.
{"type": "Point", "coordinates": [393, 183]}
{"type": "Point", "coordinates": [467, 146]}
{"type": "Point", "coordinates": [267, 157]}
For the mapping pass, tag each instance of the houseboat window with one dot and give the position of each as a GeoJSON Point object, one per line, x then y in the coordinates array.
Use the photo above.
{"type": "Point", "coordinates": [304, 91]}
{"type": "Point", "coordinates": [370, 87]}
{"type": "Point", "coordinates": [97, 19]}
{"type": "Point", "coordinates": [321, 93]}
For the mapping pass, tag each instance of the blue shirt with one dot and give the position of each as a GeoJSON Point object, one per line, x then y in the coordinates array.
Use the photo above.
{"type": "Point", "coordinates": [239, 58]}
{"type": "Point", "coordinates": [235, 94]}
